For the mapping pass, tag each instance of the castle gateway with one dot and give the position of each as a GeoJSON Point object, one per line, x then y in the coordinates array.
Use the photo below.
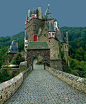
{"type": "Point", "coordinates": [38, 48]}
{"type": "Point", "coordinates": [40, 28]}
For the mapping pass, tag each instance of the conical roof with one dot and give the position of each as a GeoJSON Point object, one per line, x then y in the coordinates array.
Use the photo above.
{"type": "Point", "coordinates": [48, 14]}
{"type": "Point", "coordinates": [13, 48]}
{"type": "Point", "coordinates": [51, 27]}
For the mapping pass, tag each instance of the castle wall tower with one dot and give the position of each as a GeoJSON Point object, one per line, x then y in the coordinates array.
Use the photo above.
{"type": "Point", "coordinates": [51, 31]}
{"type": "Point", "coordinates": [39, 13]}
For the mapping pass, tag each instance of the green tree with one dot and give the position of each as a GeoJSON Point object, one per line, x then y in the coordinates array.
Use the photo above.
{"type": "Point", "coordinates": [17, 59]}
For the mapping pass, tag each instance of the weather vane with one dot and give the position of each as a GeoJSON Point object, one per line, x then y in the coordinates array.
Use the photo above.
{"type": "Point", "coordinates": [48, 5]}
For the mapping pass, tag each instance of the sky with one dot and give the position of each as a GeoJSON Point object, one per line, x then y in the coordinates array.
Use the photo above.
{"type": "Point", "coordinates": [70, 13]}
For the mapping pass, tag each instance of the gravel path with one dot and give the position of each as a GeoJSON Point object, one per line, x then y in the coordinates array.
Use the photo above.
{"type": "Point", "coordinates": [41, 87]}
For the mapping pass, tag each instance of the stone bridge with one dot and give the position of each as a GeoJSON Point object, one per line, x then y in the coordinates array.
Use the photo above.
{"type": "Point", "coordinates": [41, 87]}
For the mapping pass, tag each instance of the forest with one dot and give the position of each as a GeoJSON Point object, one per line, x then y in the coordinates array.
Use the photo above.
{"type": "Point", "coordinates": [77, 50]}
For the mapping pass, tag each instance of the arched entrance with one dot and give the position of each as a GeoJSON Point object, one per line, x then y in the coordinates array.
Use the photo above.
{"type": "Point", "coordinates": [38, 48]}
{"type": "Point", "coordinates": [38, 60]}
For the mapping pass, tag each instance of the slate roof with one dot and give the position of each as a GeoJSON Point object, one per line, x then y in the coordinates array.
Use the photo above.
{"type": "Point", "coordinates": [51, 27]}
{"type": "Point", "coordinates": [38, 45]}
{"type": "Point", "coordinates": [48, 14]}
{"type": "Point", "coordinates": [13, 48]}
{"type": "Point", "coordinates": [60, 36]}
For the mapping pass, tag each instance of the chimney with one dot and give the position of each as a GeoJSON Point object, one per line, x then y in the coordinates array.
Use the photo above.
{"type": "Point", "coordinates": [29, 13]}
{"type": "Point", "coordinates": [39, 12]}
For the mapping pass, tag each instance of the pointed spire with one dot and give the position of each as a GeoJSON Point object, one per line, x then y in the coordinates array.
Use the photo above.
{"type": "Point", "coordinates": [51, 27]}
{"type": "Point", "coordinates": [48, 13]}
{"type": "Point", "coordinates": [13, 48]}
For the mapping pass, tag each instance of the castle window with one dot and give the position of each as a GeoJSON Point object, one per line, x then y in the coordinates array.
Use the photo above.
{"type": "Point", "coordinates": [45, 29]}
{"type": "Point", "coordinates": [45, 35]}
{"type": "Point", "coordinates": [65, 46]}
{"type": "Point", "coordinates": [25, 46]}
{"type": "Point", "coordinates": [49, 40]}
{"type": "Point", "coordinates": [52, 33]}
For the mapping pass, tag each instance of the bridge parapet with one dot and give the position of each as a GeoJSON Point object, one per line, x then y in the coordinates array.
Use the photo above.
{"type": "Point", "coordinates": [8, 88]}
{"type": "Point", "coordinates": [74, 81]}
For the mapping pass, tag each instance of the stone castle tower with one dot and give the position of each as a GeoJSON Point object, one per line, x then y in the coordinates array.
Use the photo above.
{"type": "Point", "coordinates": [45, 28]}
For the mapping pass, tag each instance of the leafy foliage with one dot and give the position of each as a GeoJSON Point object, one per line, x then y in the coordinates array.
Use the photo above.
{"type": "Point", "coordinates": [6, 41]}
{"type": "Point", "coordinates": [77, 50]}
{"type": "Point", "coordinates": [4, 75]}
{"type": "Point", "coordinates": [17, 59]}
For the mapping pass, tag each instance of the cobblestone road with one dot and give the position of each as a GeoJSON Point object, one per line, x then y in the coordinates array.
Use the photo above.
{"type": "Point", "coordinates": [41, 87]}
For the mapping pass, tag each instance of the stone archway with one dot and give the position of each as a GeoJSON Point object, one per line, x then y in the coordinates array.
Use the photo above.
{"type": "Point", "coordinates": [35, 56]}
{"type": "Point", "coordinates": [32, 53]}
{"type": "Point", "coordinates": [35, 48]}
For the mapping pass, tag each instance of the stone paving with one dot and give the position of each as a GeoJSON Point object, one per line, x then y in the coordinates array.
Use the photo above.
{"type": "Point", "coordinates": [41, 87]}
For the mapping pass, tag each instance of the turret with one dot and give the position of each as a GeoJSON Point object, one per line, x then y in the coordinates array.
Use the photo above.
{"type": "Point", "coordinates": [56, 26]}
{"type": "Point", "coordinates": [48, 14]}
{"type": "Point", "coordinates": [26, 42]}
{"type": "Point", "coordinates": [39, 13]}
{"type": "Point", "coordinates": [51, 32]}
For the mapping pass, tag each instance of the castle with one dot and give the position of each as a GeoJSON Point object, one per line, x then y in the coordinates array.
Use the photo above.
{"type": "Point", "coordinates": [40, 27]}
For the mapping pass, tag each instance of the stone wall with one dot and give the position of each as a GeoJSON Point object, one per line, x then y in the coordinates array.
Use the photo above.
{"type": "Point", "coordinates": [56, 63]}
{"type": "Point", "coordinates": [74, 81]}
{"type": "Point", "coordinates": [54, 48]}
{"type": "Point", "coordinates": [32, 53]}
{"type": "Point", "coordinates": [8, 88]}
{"type": "Point", "coordinates": [33, 25]}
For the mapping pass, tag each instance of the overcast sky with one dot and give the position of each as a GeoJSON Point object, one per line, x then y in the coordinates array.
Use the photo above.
{"type": "Point", "coordinates": [70, 13]}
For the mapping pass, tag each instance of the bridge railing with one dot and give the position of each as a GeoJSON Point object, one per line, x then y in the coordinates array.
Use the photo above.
{"type": "Point", "coordinates": [74, 81]}
{"type": "Point", "coordinates": [8, 88]}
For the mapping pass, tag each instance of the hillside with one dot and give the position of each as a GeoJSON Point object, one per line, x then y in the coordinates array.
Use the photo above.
{"type": "Point", "coordinates": [77, 48]}
{"type": "Point", "coordinates": [77, 42]}
{"type": "Point", "coordinates": [6, 41]}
